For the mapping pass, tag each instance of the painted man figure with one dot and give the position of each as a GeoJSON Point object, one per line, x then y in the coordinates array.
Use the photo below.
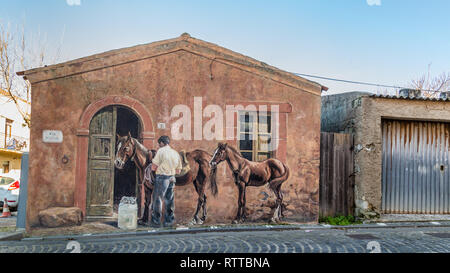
{"type": "Point", "coordinates": [166, 164]}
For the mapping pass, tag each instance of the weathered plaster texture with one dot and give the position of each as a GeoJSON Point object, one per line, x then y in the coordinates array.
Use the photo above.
{"type": "Point", "coordinates": [369, 159]}
{"type": "Point", "coordinates": [361, 115]}
{"type": "Point", "coordinates": [159, 76]}
{"type": "Point", "coordinates": [340, 111]}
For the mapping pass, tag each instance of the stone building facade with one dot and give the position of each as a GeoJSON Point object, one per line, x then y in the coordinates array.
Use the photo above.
{"type": "Point", "coordinates": [145, 84]}
{"type": "Point", "coordinates": [399, 143]}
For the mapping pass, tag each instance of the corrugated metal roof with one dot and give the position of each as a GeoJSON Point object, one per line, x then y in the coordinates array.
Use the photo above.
{"type": "Point", "coordinates": [440, 98]}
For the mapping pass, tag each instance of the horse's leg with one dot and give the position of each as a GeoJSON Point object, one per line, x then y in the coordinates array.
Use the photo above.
{"type": "Point", "coordinates": [236, 181]}
{"type": "Point", "coordinates": [277, 213]}
{"type": "Point", "coordinates": [280, 197]}
{"type": "Point", "coordinates": [144, 199]}
{"type": "Point", "coordinates": [245, 177]}
{"type": "Point", "coordinates": [195, 219]}
{"type": "Point", "coordinates": [204, 206]}
{"type": "Point", "coordinates": [244, 202]}
{"type": "Point", "coordinates": [148, 201]}
{"type": "Point", "coordinates": [204, 179]}
{"type": "Point", "coordinates": [201, 199]}
{"type": "Point", "coordinates": [241, 203]}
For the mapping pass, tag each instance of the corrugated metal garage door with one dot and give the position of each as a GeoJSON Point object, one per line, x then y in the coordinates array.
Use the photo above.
{"type": "Point", "coordinates": [416, 171]}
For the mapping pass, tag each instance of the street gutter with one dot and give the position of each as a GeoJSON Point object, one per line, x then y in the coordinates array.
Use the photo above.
{"type": "Point", "coordinates": [195, 230]}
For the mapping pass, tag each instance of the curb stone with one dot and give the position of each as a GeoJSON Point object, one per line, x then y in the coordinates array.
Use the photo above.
{"type": "Point", "coordinates": [194, 230]}
{"type": "Point", "coordinates": [13, 236]}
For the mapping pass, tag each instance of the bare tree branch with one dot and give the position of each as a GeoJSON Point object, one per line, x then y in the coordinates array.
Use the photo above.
{"type": "Point", "coordinates": [431, 86]}
{"type": "Point", "coordinates": [16, 54]}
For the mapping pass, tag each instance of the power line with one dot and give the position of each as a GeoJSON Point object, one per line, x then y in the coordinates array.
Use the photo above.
{"type": "Point", "coordinates": [361, 83]}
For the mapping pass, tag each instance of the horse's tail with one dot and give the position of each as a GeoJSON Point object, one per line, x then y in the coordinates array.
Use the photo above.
{"type": "Point", "coordinates": [183, 155]}
{"type": "Point", "coordinates": [212, 179]}
{"type": "Point", "coordinates": [278, 180]}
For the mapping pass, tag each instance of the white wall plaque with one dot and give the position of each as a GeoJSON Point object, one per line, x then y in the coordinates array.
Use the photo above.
{"type": "Point", "coordinates": [52, 136]}
{"type": "Point", "coordinates": [161, 125]}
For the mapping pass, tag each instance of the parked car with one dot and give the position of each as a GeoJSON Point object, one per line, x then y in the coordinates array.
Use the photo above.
{"type": "Point", "coordinates": [9, 189]}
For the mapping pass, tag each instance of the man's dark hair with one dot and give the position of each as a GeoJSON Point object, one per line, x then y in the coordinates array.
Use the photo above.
{"type": "Point", "coordinates": [164, 139]}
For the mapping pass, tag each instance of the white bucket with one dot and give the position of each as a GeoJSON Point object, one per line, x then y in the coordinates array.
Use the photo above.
{"type": "Point", "coordinates": [127, 218]}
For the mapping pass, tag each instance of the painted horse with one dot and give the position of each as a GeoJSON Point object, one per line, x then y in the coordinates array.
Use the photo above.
{"type": "Point", "coordinates": [197, 171]}
{"type": "Point", "coordinates": [248, 173]}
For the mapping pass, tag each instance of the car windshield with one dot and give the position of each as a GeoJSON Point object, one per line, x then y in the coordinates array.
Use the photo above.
{"type": "Point", "coordinates": [6, 180]}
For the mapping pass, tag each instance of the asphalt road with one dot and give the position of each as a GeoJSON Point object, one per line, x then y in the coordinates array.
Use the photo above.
{"type": "Point", "coordinates": [384, 240]}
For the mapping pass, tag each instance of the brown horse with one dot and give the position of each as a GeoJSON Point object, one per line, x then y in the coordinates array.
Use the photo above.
{"type": "Point", "coordinates": [247, 173]}
{"type": "Point", "coordinates": [199, 172]}
{"type": "Point", "coordinates": [129, 148]}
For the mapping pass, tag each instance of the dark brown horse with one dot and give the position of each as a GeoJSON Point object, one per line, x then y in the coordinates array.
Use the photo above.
{"type": "Point", "coordinates": [247, 173]}
{"type": "Point", "coordinates": [129, 148]}
{"type": "Point", "coordinates": [198, 173]}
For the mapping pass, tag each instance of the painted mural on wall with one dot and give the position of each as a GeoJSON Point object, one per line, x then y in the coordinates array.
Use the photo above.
{"type": "Point", "coordinates": [199, 167]}
{"type": "Point", "coordinates": [196, 171]}
{"type": "Point", "coordinates": [197, 93]}
{"type": "Point", "coordinates": [245, 173]}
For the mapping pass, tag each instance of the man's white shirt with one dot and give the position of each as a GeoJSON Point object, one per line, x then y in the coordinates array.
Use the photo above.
{"type": "Point", "coordinates": [168, 161]}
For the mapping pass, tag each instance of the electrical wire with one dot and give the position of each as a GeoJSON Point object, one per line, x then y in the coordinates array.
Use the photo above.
{"type": "Point", "coordinates": [361, 83]}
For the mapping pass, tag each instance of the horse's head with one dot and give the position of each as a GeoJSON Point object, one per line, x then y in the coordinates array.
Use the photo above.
{"type": "Point", "coordinates": [125, 150]}
{"type": "Point", "coordinates": [220, 154]}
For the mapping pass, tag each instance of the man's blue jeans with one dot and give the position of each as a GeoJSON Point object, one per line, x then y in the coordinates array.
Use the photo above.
{"type": "Point", "coordinates": [163, 190]}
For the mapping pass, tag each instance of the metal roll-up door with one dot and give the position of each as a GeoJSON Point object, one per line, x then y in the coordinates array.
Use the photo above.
{"type": "Point", "coordinates": [415, 167]}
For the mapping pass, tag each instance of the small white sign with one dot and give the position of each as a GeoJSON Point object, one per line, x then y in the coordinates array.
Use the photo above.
{"type": "Point", "coordinates": [52, 136]}
{"type": "Point", "coordinates": [161, 125]}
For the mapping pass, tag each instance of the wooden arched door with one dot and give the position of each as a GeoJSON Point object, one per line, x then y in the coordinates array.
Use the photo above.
{"type": "Point", "coordinates": [100, 176]}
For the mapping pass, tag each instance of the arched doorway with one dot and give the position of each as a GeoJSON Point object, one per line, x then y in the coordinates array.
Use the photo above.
{"type": "Point", "coordinates": [105, 184]}
{"type": "Point", "coordinates": [147, 135]}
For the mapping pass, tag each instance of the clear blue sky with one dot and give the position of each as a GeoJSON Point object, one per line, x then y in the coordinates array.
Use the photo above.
{"type": "Point", "coordinates": [390, 42]}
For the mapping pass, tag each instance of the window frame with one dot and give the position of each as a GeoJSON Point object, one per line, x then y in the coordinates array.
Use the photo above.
{"type": "Point", "coordinates": [6, 165]}
{"type": "Point", "coordinates": [255, 134]}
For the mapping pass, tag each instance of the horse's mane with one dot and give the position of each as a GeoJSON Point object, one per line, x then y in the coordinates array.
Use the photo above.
{"type": "Point", "coordinates": [200, 152]}
{"type": "Point", "coordinates": [140, 146]}
{"type": "Point", "coordinates": [238, 153]}
{"type": "Point", "coordinates": [199, 155]}
{"type": "Point", "coordinates": [234, 150]}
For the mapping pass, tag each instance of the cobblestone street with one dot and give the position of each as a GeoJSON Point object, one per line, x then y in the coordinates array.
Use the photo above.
{"type": "Point", "coordinates": [385, 240]}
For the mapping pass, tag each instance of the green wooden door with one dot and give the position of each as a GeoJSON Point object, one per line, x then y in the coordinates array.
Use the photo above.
{"type": "Point", "coordinates": [100, 181]}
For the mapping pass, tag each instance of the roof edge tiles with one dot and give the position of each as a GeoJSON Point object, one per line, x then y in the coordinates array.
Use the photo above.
{"type": "Point", "coordinates": [441, 98]}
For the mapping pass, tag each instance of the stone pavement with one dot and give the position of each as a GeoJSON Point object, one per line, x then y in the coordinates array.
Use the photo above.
{"type": "Point", "coordinates": [385, 238]}
{"type": "Point", "coordinates": [8, 230]}
{"type": "Point", "coordinates": [9, 221]}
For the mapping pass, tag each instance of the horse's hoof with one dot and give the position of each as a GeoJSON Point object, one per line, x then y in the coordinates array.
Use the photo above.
{"type": "Point", "coordinates": [199, 222]}
{"type": "Point", "coordinates": [192, 222]}
{"type": "Point", "coordinates": [274, 221]}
